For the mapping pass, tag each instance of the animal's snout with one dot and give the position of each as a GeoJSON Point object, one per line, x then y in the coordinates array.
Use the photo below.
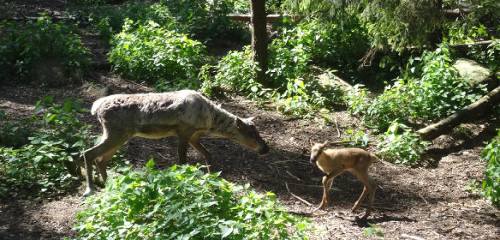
{"type": "Point", "coordinates": [312, 160]}
{"type": "Point", "coordinates": [264, 150]}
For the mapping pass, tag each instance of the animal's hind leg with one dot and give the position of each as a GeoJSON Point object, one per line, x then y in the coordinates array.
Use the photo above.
{"type": "Point", "coordinates": [102, 162]}
{"type": "Point", "coordinates": [368, 189]}
{"type": "Point", "coordinates": [371, 197]}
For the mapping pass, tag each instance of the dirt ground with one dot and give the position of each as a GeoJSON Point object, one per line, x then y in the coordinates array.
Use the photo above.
{"type": "Point", "coordinates": [411, 203]}
{"type": "Point", "coordinates": [429, 202]}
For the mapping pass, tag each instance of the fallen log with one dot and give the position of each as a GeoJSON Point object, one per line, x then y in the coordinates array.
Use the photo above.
{"type": "Point", "coordinates": [472, 112]}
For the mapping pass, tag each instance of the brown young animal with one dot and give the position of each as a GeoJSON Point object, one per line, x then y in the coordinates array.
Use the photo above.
{"type": "Point", "coordinates": [333, 162]}
{"type": "Point", "coordinates": [185, 114]}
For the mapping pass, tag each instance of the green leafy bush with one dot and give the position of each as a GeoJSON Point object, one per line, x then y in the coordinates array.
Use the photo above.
{"type": "Point", "coordinates": [288, 61]}
{"type": "Point", "coordinates": [156, 55]}
{"type": "Point", "coordinates": [44, 164]}
{"type": "Point", "coordinates": [109, 19]}
{"type": "Point", "coordinates": [427, 91]}
{"type": "Point", "coordinates": [14, 133]}
{"type": "Point", "coordinates": [183, 203]}
{"type": "Point", "coordinates": [295, 84]}
{"type": "Point", "coordinates": [202, 20]}
{"type": "Point", "coordinates": [235, 72]}
{"type": "Point", "coordinates": [390, 106]}
{"type": "Point", "coordinates": [357, 100]}
{"type": "Point", "coordinates": [440, 91]}
{"type": "Point", "coordinates": [205, 20]}
{"type": "Point", "coordinates": [356, 138]}
{"type": "Point", "coordinates": [401, 145]}
{"type": "Point", "coordinates": [41, 50]}
{"type": "Point", "coordinates": [491, 182]}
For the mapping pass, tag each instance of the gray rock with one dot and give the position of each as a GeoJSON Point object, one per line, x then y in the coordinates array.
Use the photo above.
{"type": "Point", "coordinates": [472, 71]}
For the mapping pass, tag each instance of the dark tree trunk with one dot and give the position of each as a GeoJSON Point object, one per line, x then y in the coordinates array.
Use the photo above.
{"type": "Point", "coordinates": [259, 38]}
{"type": "Point", "coordinates": [436, 37]}
{"type": "Point", "coordinates": [469, 113]}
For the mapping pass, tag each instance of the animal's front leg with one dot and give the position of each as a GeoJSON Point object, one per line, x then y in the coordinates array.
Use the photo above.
{"type": "Point", "coordinates": [195, 142]}
{"type": "Point", "coordinates": [182, 151]}
{"type": "Point", "coordinates": [327, 184]}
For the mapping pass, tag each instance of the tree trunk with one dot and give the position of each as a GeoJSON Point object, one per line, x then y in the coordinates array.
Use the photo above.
{"type": "Point", "coordinates": [259, 38]}
{"type": "Point", "coordinates": [436, 37]}
{"type": "Point", "coordinates": [469, 113]}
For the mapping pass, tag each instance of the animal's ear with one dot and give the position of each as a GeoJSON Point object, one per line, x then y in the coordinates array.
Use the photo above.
{"type": "Point", "coordinates": [324, 143]}
{"type": "Point", "coordinates": [250, 119]}
{"type": "Point", "coordinates": [239, 123]}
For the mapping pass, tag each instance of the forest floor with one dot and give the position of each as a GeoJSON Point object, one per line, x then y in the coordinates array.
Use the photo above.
{"type": "Point", "coordinates": [434, 201]}
{"type": "Point", "coordinates": [431, 202]}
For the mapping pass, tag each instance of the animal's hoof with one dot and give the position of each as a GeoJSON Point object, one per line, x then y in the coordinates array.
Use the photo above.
{"type": "Point", "coordinates": [88, 192]}
{"type": "Point", "coordinates": [320, 207]}
{"type": "Point", "coordinates": [354, 209]}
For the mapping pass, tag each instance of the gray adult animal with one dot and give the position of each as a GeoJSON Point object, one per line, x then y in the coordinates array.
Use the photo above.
{"type": "Point", "coordinates": [185, 114]}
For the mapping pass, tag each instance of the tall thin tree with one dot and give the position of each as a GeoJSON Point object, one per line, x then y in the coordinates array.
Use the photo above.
{"type": "Point", "coordinates": [259, 38]}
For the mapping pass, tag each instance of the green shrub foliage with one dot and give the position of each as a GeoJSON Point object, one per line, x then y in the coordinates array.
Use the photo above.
{"type": "Point", "coordinates": [491, 182]}
{"type": "Point", "coordinates": [14, 133]}
{"type": "Point", "coordinates": [41, 50]}
{"type": "Point", "coordinates": [401, 145]}
{"type": "Point", "coordinates": [429, 90]}
{"type": "Point", "coordinates": [156, 55]}
{"type": "Point", "coordinates": [202, 20]}
{"type": "Point", "coordinates": [109, 19]}
{"type": "Point", "coordinates": [42, 164]}
{"type": "Point", "coordinates": [291, 79]}
{"type": "Point", "coordinates": [235, 72]}
{"type": "Point", "coordinates": [183, 203]}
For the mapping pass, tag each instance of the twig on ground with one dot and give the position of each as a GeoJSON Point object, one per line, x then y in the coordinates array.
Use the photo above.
{"type": "Point", "coordinates": [336, 126]}
{"type": "Point", "coordinates": [379, 207]}
{"type": "Point", "coordinates": [161, 155]}
{"type": "Point", "coordinates": [306, 185]}
{"type": "Point", "coordinates": [404, 235]}
{"type": "Point", "coordinates": [297, 197]}
{"type": "Point", "coordinates": [296, 178]}
{"type": "Point", "coordinates": [285, 161]}
{"type": "Point", "coordinates": [305, 214]}
{"type": "Point", "coordinates": [423, 199]}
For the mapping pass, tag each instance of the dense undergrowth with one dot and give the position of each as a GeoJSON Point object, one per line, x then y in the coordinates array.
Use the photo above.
{"type": "Point", "coordinates": [41, 50]}
{"type": "Point", "coordinates": [182, 202]}
{"type": "Point", "coordinates": [200, 20]}
{"type": "Point", "coordinates": [39, 155]}
{"type": "Point", "coordinates": [167, 44]}
{"type": "Point", "coordinates": [157, 56]}
{"type": "Point", "coordinates": [491, 182]}
{"type": "Point", "coordinates": [428, 90]}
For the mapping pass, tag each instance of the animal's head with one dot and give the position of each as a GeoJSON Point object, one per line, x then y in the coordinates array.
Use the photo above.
{"type": "Point", "coordinates": [316, 150]}
{"type": "Point", "coordinates": [248, 136]}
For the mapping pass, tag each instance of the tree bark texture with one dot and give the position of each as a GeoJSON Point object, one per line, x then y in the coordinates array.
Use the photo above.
{"type": "Point", "coordinates": [259, 38]}
{"type": "Point", "coordinates": [469, 113]}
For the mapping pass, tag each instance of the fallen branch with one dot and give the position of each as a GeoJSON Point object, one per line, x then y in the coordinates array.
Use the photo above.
{"type": "Point", "coordinates": [270, 18]}
{"type": "Point", "coordinates": [297, 197]}
{"type": "Point", "coordinates": [472, 112]}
